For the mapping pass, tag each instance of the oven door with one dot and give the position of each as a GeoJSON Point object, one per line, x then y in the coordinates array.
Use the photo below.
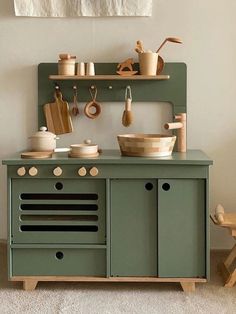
{"type": "Point", "coordinates": [58, 211]}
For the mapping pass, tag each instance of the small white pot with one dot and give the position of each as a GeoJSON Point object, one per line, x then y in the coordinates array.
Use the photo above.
{"type": "Point", "coordinates": [43, 141]}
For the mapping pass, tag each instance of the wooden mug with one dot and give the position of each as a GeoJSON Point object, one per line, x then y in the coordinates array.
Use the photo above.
{"type": "Point", "coordinates": [148, 63]}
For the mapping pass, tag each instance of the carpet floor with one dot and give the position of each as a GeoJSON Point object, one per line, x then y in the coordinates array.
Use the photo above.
{"type": "Point", "coordinates": [114, 298]}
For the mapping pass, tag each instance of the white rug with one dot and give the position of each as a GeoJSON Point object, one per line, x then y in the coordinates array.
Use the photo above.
{"type": "Point", "coordinates": [114, 298]}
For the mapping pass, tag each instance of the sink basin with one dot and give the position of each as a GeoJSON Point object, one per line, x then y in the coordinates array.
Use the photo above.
{"type": "Point", "coordinates": [146, 145]}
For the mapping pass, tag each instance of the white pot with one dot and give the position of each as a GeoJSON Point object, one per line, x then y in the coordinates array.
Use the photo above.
{"type": "Point", "coordinates": [43, 141]}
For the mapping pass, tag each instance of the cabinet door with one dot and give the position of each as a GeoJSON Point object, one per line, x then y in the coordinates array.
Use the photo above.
{"type": "Point", "coordinates": [181, 228]}
{"type": "Point", "coordinates": [133, 228]}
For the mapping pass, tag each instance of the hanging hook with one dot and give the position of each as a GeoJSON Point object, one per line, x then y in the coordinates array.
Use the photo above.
{"type": "Point", "coordinates": [57, 92]}
{"type": "Point", "coordinates": [128, 93]}
{"type": "Point", "coordinates": [75, 90]}
{"type": "Point", "coordinates": [93, 92]}
{"type": "Point", "coordinates": [57, 87]}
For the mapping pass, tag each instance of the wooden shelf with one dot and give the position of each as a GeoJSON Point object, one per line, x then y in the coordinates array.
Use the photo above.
{"type": "Point", "coordinates": [109, 77]}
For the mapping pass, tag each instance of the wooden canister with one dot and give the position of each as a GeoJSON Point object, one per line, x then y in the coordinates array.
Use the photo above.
{"type": "Point", "coordinates": [148, 63]}
{"type": "Point", "coordinates": [66, 67]}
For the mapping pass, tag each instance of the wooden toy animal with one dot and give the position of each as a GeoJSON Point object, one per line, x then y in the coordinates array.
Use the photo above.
{"type": "Point", "coordinates": [126, 64]}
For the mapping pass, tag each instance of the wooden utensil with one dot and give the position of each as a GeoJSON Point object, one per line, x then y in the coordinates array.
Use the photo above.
{"type": "Point", "coordinates": [127, 117]}
{"type": "Point", "coordinates": [160, 65]}
{"type": "Point", "coordinates": [92, 104]}
{"type": "Point", "coordinates": [139, 46]}
{"type": "Point", "coordinates": [170, 39]}
{"type": "Point", "coordinates": [75, 109]}
{"type": "Point", "coordinates": [57, 115]}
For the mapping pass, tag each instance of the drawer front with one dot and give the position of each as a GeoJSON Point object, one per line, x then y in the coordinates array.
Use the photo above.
{"type": "Point", "coordinates": [58, 211]}
{"type": "Point", "coordinates": [58, 262]}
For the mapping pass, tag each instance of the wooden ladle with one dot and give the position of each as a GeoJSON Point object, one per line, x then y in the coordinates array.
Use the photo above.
{"type": "Point", "coordinates": [170, 39]}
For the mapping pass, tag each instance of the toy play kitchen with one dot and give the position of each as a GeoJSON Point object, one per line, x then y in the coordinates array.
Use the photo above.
{"type": "Point", "coordinates": [128, 215]}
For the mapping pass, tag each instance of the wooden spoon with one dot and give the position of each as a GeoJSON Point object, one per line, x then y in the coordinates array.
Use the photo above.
{"type": "Point", "coordinates": [170, 39]}
{"type": "Point", "coordinates": [160, 65]}
{"type": "Point", "coordinates": [75, 109]}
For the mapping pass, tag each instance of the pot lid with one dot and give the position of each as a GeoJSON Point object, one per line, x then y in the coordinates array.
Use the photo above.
{"type": "Point", "coordinates": [43, 133]}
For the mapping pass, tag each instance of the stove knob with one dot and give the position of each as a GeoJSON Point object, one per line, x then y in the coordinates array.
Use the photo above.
{"type": "Point", "coordinates": [33, 171]}
{"type": "Point", "coordinates": [93, 171]}
{"type": "Point", "coordinates": [21, 171]}
{"type": "Point", "coordinates": [82, 172]}
{"type": "Point", "coordinates": [57, 172]}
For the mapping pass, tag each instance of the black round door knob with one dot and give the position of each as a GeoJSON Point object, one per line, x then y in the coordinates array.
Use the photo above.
{"type": "Point", "coordinates": [59, 255]}
{"type": "Point", "coordinates": [165, 186]}
{"type": "Point", "coordinates": [149, 186]}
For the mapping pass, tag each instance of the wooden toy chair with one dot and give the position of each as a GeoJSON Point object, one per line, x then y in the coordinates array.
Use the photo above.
{"type": "Point", "coordinates": [228, 267]}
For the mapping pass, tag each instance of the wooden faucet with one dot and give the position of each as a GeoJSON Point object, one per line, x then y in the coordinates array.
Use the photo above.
{"type": "Point", "coordinates": [180, 125]}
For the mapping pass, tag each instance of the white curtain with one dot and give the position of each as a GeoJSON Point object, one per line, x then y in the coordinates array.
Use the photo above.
{"type": "Point", "coordinates": [75, 8]}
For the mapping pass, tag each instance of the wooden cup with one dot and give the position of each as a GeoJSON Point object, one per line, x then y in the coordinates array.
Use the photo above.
{"type": "Point", "coordinates": [148, 63]}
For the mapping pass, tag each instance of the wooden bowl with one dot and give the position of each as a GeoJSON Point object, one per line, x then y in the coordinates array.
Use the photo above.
{"type": "Point", "coordinates": [146, 145]}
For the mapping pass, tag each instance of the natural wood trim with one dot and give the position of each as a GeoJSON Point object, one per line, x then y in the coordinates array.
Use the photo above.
{"type": "Point", "coordinates": [29, 285]}
{"type": "Point", "coordinates": [188, 286]}
{"type": "Point", "coordinates": [231, 257]}
{"type": "Point", "coordinates": [109, 77]}
{"type": "Point", "coordinates": [105, 279]}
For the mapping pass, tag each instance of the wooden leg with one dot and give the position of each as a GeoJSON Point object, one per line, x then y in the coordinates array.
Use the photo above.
{"type": "Point", "coordinates": [231, 257]}
{"type": "Point", "coordinates": [228, 274]}
{"type": "Point", "coordinates": [188, 286]}
{"type": "Point", "coordinates": [231, 280]}
{"type": "Point", "coordinates": [29, 285]}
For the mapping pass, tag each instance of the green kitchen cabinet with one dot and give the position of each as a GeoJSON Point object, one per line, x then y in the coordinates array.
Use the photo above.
{"type": "Point", "coordinates": [133, 228]}
{"type": "Point", "coordinates": [139, 219]}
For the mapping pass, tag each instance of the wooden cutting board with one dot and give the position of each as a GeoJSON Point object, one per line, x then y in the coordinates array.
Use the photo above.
{"type": "Point", "coordinates": [57, 116]}
{"type": "Point", "coordinates": [36, 155]}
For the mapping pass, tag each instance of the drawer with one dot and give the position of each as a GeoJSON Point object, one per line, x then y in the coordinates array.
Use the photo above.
{"type": "Point", "coordinates": [58, 262]}
{"type": "Point", "coordinates": [58, 211]}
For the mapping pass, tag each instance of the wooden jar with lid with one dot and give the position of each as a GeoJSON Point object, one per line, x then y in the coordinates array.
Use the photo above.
{"type": "Point", "coordinates": [66, 65]}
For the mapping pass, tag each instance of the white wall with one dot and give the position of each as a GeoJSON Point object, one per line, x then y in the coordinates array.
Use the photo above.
{"type": "Point", "coordinates": [208, 31]}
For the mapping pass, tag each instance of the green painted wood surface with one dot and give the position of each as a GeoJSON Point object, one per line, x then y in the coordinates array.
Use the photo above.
{"type": "Point", "coordinates": [191, 157]}
{"type": "Point", "coordinates": [108, 227]}
{"type": "Point", "coordinates": [118, 171]}
{"type": "Point", "coordinates": [48, 186]}
{"type": "Point", "coordinates": [133, 228]}
{"type": "Point", "coordinates": [172, 90]}
{"type": "Point", "coordinates": [43, 262]}
{"type": "Point", "coordinates": [186, 171]}
{"type": "Point", "coordinates": [181, 229]}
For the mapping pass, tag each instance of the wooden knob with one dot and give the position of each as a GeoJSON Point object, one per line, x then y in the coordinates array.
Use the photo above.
{"type": "Point", "coordinates": [93, 171]}
{"type": "Point", "coordinates": [82, 172]}
{"type": "Point", "coordinates": [21, 171]}
{"type": "Point", "coordinates": [57, 172]}
{"type": "Point", "coordinates": [33, 171]}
